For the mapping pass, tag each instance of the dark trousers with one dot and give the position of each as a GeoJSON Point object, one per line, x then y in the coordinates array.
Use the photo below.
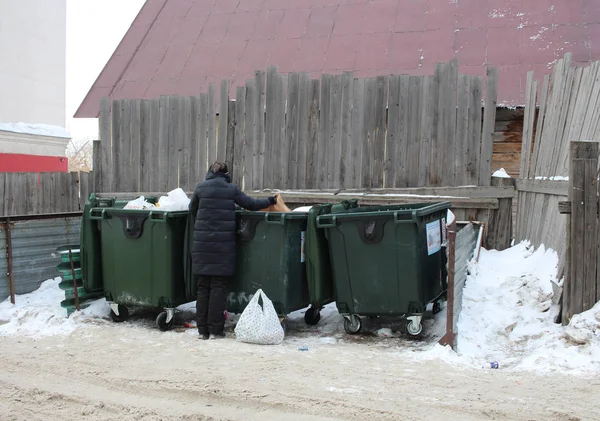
{"type": "Point", "coordinates": [211, 304]}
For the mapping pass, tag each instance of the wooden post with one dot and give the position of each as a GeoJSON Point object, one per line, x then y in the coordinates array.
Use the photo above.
{"type": "Point", "coordinates": [449, 337]}
{"type": "Point", "coordinates": [580, 282]}
{"type": "Point", "coordinates": [500, 223]}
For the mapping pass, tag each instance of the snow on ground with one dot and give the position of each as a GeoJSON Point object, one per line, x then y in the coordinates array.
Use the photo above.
{"type": "Point", "coordinates": [35, 129]}
{"type": "Point", "coordinates": [507, 316]}
{"type": "Point", "coordinates": [39, 313]}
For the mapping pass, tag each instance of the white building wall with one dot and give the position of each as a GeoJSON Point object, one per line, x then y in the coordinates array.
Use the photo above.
{"type": "Point", "coordinates": [33, 61]}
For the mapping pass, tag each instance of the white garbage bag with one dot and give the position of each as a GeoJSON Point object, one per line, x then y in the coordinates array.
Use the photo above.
{"type": "Point", "coordinates": [259, 324]}
{"type": "Point", "coordinates": [139, 203]}
{"type": "Point", "coordinates": [176, 200]}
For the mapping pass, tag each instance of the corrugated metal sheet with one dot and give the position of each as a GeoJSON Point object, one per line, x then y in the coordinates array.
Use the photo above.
{"type": "Point", "coordinates": [34, 245]}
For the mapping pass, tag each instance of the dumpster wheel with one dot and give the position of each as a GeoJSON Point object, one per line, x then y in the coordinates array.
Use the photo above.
{"type": "Point", "coordinates": [119, 313]}
{"type": "Point", "coordinates": [352, 324]}
{"type": "Point", "coordinates": [312, 316]}
{"type": "Point", "coordinates": [162, 323]}
{"type": "Point", "coordinates": [413, 326]}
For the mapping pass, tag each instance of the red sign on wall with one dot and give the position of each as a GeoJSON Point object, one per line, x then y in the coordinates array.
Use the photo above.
{"type": "Point", "coordinates": [32, 163]}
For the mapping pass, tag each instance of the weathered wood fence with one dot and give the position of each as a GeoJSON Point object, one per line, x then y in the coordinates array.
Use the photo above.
{"type": "Point", "coordinates": [569, 109]}
{"type": "Point", "coordinates": [37, 193]}
{"type": "Point", "coordinates": [581, 288]}
{"type": "Point", "coordinates": [291, 132]}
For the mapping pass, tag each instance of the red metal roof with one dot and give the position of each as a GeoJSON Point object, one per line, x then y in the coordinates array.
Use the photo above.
{"type": "Point", "coordinates": [180, 46]}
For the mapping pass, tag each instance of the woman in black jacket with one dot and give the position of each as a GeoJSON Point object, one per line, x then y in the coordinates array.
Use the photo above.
{"type": "Point", "coordinates": [214, 244]}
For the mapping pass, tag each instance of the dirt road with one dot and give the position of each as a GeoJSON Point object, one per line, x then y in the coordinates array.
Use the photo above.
{"type": "Point", "coordinates": [134, 372]}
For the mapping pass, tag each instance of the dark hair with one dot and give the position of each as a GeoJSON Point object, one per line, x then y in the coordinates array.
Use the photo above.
{"type": "Point", "coordinates": [219, 167]}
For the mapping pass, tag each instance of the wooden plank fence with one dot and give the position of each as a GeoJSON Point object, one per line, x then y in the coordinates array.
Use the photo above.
{"type": "Point", "coordinates": [581, 288]}
{"type": "Point", "coordinates": [288, 131]}
{"type": "Point", "coordinates": [43, 193]}
{"type": "Point", "coordinates": [568, 111]}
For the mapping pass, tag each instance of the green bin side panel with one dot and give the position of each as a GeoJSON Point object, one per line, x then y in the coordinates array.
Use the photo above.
{"type": "Point", "coordinates": [146, 271]}
{"type": "Point", "coordinates": [91, 255]}
{"type": "Point", "coordinates": [318, 265]}
{"type": "Point", "coordinates": [269, 256]}
{"type": "Point", "coordinates": [382, 267]}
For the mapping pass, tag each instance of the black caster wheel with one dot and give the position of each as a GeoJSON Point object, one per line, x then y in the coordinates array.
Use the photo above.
{"type": "Point", "coordinates": [122, 316]}
{"type": "Point", "coordinates": [161, 322]}
{"type": "Point", "coordinates": [352, 324]}
{"type": "Point", "coordinates": [437, 308]}
{"type": "Point", "coordinates": [312, 316]}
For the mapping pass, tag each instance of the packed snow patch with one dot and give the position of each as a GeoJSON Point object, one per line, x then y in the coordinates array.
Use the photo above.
{"type": "Point", "coordinates": [501, 173]}
{"type": "Point", "coordinates": [39, 313]}
{"type": "Point", "coordinates": [508, 316]}
{"type": "Point", "coordinates": [35, 129]}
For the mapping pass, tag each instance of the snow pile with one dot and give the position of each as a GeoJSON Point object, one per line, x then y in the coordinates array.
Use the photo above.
{"type": "Point", "coordinates": [39, 313]}
{"type": "Point", "coordinates": [508, 316]}
{"type": "Point", "coordinates": [501, 173]}
{"type": "Point", "coordinates": [35, 129]}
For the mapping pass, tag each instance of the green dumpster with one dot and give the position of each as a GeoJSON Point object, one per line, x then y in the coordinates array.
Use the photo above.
{"type": "Point", "coordinates": [270, 256]}
{"type": "Point", "coordinates": [138, 258]}
{"type": "Point", "coordinates": [386, 261]}
{"type": "Point", "coordinates": [318, 267]}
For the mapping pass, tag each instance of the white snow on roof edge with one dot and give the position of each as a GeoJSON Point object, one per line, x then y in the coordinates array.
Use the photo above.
{"type": "Point", "coordinates": [36, 129]}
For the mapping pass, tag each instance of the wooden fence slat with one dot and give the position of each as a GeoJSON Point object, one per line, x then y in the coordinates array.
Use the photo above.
{"type": "Point", "coordinates": [489, 120]}
{"type": "Point", "coordinates": [175, 113]}
{"type": "Point", "coordinates": [125, 180]}
{"type": "Point", "coordinates": [104, 171]}
{"type": "Point", "coordinates": [593, 112]}
{"type": "Point", "coordinates": [84, 188]}
{"type": "Point", "coordinates": [345, 158]}
{"type": "Point", "coordinates": [324, 131]}
{"type": "Point", "coordinates": [590, 237]}
{"type": "Point", "coordinates": [135, 154]}
{"type": "Point", "coordinates": [260, 134]}
{"type": "Point", "coordinates": [115, 170]}
{"type": "Point", "coordinates": [474, 131]}
{"type": "Point", "coordinates": [32, 206]}
{"type": "Point", "coordinates": [163, 143]}
{"type": "Point", "coordinates": [195, 146]}
{"type": "Point", "coordinates": [356, 145]}
{"type": "Point", "coordinates": [151, 144]}
{"type": "Point", "coordinates": [369, 125]}
{"type": "Point", "coordinates": [251, 144]}
{"type": "Point", "coordinates": [379, 131]}
{"type": "Point", "coordinates": [202, 119]}
{"type": "Point", "coordinates": [436, 167]}
{"type": "Point", "coordinates": [3, 194]}
{"type": "Point", "coordinates": [539, 125]}
{"type": "Point", "coordinates": [427, 97]}
{"type": "Point", "coordinates": [290, 179]}
{"type": "Point", "coordinates": [146, 169]}
{"type": "Point", "coordinates": [414, 131]}
{"type": "Point", "coordinates": [97, 165]}
{"type": "Point", "coordinates": [304, 85]}
{"type": "Point", "coordinates": [239, 137]}
{"type": "Point", "coordinates": [462, 129]}
{"type": "Point", "coordinates": [223, 121]}
{"type": "Point", "coordinates": [186, 128]}
{"type": "Point", "coordinates": [229, 146]}
{"type": "Point", "coordinates": [392, 141]}
{"type": "Point", "coordinates": [450, 168]}
{"type": "Point", "coordinates": [272, 155]}
{"type": "Point", "coordinates": [212, 125]}
{"type": "Point", "coordinates": [334, 140]}
{"type": "Point", "coordinates": [313, 135]}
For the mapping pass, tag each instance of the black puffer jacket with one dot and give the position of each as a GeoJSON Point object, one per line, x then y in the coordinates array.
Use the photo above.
{"type": "Point", "coordinates": [213, 204]}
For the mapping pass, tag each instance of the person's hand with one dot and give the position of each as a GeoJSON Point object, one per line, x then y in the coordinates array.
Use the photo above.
{"type": "Point", "coordinates": [277, 197]}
